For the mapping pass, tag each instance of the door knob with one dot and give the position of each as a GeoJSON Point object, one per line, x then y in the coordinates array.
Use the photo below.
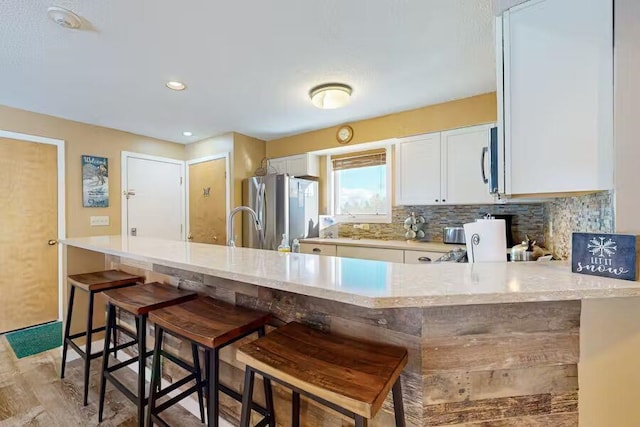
{"type": "Point", "coordinates": [52, 242]}
{"type": "Point", "coordinates": [190, 236]}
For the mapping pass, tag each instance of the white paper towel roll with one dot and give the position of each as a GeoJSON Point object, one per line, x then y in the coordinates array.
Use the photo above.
{"type": "Point", "coordinates": [486, 240]}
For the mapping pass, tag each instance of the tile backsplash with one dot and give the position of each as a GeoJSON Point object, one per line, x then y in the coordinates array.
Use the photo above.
{"type": "Point", "coordinates": [528, 219]}
{"type": "Point", "coordinates": [550, 223]}
{"type": "Point", "coordinates": [591, 213]}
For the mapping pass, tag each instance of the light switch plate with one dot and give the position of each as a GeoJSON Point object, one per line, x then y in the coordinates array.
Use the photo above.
{"type": "Point", "coordinates": [99, 221]}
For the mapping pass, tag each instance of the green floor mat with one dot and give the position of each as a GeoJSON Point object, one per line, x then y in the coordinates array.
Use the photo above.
{"type": "Point", "coordinates": [30, 341]}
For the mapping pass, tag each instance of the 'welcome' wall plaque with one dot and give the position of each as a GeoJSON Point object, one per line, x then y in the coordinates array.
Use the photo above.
{"type": "Point", "coordinates": [602, 254]}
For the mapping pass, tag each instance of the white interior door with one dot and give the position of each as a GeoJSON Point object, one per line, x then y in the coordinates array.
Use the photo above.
{"type": "Point", "coordinates": [154, 197]}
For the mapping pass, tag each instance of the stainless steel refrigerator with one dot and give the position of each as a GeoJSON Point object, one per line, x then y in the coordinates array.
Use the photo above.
{"type": "Point", "coordinates": [285, 205]}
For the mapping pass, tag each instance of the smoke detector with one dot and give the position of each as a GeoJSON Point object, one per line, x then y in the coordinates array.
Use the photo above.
{"type": "Point", "coordinates": [63, 17]}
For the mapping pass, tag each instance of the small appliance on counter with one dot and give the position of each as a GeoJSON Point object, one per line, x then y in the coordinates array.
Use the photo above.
{"type": "Point", "coordinates": [414, 226]}
{"type": "Point", "coordinates": [453, 235]}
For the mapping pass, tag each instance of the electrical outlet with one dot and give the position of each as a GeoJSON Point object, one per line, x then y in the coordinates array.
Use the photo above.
{"type": "Point", "coordinates": [361, 226]}
{"type": "Point", "coordinates": [99, 221]}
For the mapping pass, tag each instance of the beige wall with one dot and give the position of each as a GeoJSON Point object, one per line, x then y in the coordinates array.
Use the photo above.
{"type": "Point", "coordinates": [472, 111]}
{"type": "Point", "coordinates": [209, 147]}
{"type": "Point", "coordinates": [247, 154]}
{"type": "Point", "coordinates": [609, 369]}
{"type": "Point", "coordinates": [450, 115]}
{"type": "Point", "coordinates": [82, 139]}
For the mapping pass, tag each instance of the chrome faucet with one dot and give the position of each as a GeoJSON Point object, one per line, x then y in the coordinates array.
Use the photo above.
{"type": "Point", "coordinates": [254, 217]}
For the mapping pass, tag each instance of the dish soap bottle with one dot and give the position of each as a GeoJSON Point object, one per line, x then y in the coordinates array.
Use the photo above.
{"type": "Point", "coordinates": [284, 245]}
{"type": "Point", "coordinates": [295, 246]}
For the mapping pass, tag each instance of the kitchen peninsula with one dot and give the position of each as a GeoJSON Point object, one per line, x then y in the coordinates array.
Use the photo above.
{"type": "Point", "coordinates": [494, 343]}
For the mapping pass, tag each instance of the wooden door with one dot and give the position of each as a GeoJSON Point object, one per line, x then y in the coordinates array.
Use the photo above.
{"type": "Point", "coordinates": [418, 170]}
{"type": "Point", "coordinates": [155, 200]}
{"type": "Point", "coordinates": [28, 220]}
{"type": "Point", "coordinates": [465, 160]}
{"type": "Point", "coordinates": [208, 202]}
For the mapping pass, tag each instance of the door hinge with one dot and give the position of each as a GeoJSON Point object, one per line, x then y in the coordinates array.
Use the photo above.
{"type": "Point", "coordinates": [180, 228]}
{"type": "Point", "coordinates": [180, 180]}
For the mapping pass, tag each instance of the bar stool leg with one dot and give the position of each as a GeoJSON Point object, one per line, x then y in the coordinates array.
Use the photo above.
{"type": "Point", "coordinates": [247, 397]}
{"type": "Point", "coordinates": [111, 311]}
{"type": "Point", "coordinates": [142, 351]}
{"type": "Point", "coordinates": [198, 373]}
{"type": "Point", "coordinates": [213, 406]}
{"type": "Point", "coordinates": [268, 391]}
{"type": "Point", "coordinates": [361, 421]}
{"type": "Point", "coordinates": [398, 404]}
{"type": "Point", "coordinates": [295, 409]}
{"type": "Point", "coordinates": [115, 343]}
{"type": "Point", "coordinates": [87, 359]}
{"type": "Point", "coordinates": [67, 330]}
{"type": "Point", "coordinates": [155, 376]}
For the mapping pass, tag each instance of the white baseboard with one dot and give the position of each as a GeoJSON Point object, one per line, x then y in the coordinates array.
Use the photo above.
{"type": "Point", "coordinates": [190, 404]}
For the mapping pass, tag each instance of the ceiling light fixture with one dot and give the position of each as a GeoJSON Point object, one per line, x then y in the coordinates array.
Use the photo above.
{"type": "Point", "coordinates": [330, 96]}
{"type": "Point", "coordinates": [175, 85]}
{"type": "Point", "coordinates": [64, 17]}
{"type": "Point", "coordinates": [187, 133]}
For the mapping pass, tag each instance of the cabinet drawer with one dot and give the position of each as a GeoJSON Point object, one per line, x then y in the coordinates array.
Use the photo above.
{"type": "Point", "coordinates": [420, 257]}
{"type": "Point", "coordinates": [376, 254]}
{"type": "Point", "coordinates": [318, 249]}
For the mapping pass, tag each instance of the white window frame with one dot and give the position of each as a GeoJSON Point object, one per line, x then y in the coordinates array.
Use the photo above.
{"type": "Point", "coordinates": [361, 218]}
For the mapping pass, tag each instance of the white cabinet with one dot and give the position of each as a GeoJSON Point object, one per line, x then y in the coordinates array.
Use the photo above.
{"type": "Point", "coordinates": [418, 164]}
{"type": "Point", "coordinates": [299, 165]}
{"type": "Point", "coordinates": [443, 168]}
{"type": "Point", "coordinates": [278, 166]}
{"type": "Point", "coordinates": [465, 165]}
{"type": "Point", "coordinates": [318, 249]}
{"type": "Point", "coordinates": [555, 96]}
{"type": "Point", "coordinates": [376, 254]}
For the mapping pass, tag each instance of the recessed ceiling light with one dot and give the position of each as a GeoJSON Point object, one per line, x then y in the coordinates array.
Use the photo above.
{"type": "Point", "coordinates": [175, 85]}
{"type": "Point", "coordinates": [187, 133]}
{"type": "Point", "coordinates": [330, 96]}
{"type": "Point", "coordinates": [64, 17]}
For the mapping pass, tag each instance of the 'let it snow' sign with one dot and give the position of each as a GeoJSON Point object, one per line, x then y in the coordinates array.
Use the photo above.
{"type": "Point", "coordinates": [607, 255]}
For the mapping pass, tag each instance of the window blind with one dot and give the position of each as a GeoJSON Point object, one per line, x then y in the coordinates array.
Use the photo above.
{"type": "Point", "coordinates": [359, 160]}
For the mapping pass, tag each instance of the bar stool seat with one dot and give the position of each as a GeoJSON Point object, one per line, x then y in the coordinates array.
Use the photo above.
{"type": "Point", "coordinates": [345, 374]}
{"type": "Point", "coordinates": [212, 324]}
{"type": "Point", "coordinates": [91, 283]}
{"type": "Point", "coordinates": [138, 300]}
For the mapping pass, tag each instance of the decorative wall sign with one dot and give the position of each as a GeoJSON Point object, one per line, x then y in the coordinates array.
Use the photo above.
{"type": "Point", "coordinates": [602, 254]}
{"type": "Point", "coordinates": [95, 182]}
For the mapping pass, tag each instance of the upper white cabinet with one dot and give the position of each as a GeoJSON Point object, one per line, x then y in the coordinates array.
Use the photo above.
{"type": "Point", "coordinates": [418, 164]}
{"type": "Point", "coordinates": [465, 162]}
{"type": "Point", "coordinates": [443, 168]}
{"type": "Point", "coordinates": [555, 95]}
{"type": "Point", "coordinates": [299, 165]}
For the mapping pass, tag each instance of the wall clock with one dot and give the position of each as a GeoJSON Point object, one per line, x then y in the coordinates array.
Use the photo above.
{"type": "Point", "coordinates": [344, 134]}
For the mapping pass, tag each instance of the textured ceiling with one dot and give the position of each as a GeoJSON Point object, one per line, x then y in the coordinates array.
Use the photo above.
{"type": "Point", "coordinates": [248, 64]}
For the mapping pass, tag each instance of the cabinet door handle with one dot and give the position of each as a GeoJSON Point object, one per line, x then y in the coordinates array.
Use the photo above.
{"type": "Point", "coordinates": [318, 250]}
{"type": "Point", "coordinates": [424, 259]}
{"type": "Point", "coordinates": [485, 151]}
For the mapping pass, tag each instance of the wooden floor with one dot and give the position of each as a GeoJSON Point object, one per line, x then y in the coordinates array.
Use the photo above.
{"type": "Point", "coordinates": [32, 394]}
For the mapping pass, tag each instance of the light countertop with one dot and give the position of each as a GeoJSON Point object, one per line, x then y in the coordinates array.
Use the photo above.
{"type": "Point", "coordinates": [365, 283]}
{"type": "Point", "coordinates": [407, 245]}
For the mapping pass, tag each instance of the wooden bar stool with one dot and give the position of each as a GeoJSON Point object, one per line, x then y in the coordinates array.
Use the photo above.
{"type": "Point", "coordinates": [92, 283]}
{"type": "Point", "coordinates": [350, 376]}
{"type": "Point", "coordinates": [139, 301]}
{"type": "Point", "coordinates": [213, 325]}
